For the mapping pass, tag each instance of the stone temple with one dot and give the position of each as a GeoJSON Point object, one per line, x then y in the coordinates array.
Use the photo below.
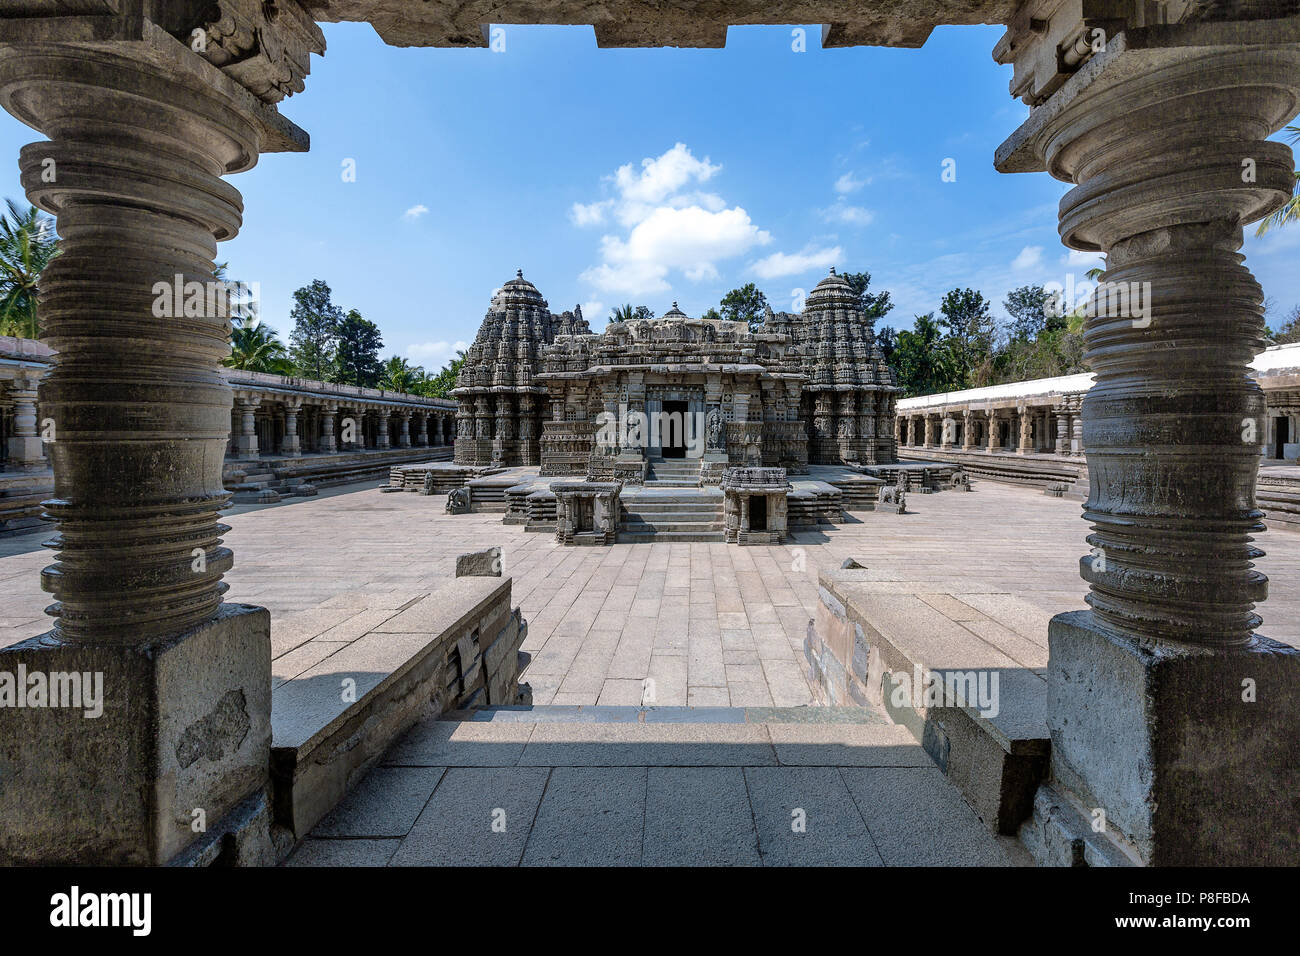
{"type": "Point", "coordinates": [543, 389]}
{"type": "Point", "coordinates": [1146, 716]}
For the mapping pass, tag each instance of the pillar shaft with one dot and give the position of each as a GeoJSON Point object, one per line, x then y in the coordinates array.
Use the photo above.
{"type": "Point", "coordinates": [140, 410]}
{"type": "Point", "coordinates": [1170, 426]}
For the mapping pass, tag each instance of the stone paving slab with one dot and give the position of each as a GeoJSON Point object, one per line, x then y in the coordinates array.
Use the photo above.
{"type": "Point", "coordinates": [805, 816]}
{"type": "Point", "coordinates": [385, 804]}
{"type": "Point", "coordinates": [846, 745]}
{"type": "Point", "coordinates": [440, 743]}
{"type": "Point", "coordinates": [476, 817]}
{"type": "Point", "coordinates": [699, 816]}
{"type": "Point", "coordinates": [606, 803]}
{"type": "Point", "coordinates": [917, 822]}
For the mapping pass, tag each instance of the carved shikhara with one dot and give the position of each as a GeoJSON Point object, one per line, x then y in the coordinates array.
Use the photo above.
{"type": "Point", "coordinates": [1169, 161]}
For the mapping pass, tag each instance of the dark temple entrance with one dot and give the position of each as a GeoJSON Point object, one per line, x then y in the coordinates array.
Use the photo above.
{"type": "Point", "coordinates": [672, 435]}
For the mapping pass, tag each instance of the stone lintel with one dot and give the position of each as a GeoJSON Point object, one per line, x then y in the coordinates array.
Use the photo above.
{"type": "Point", "coordinates": [624, 23]}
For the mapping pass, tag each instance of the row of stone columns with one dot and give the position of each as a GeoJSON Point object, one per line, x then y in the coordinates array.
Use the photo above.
{"type": "Point", "coordinates": [25, 450]}
{"type": "Point", "coordinates": [341, 427]}
{"type": "Point", "coordinates": [1030, 430]}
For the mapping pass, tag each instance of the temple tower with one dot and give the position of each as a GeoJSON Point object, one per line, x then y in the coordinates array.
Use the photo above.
{"type": "Point", "coordinates": [848, 401]}
{"type": "Point", "coordinates": [501, 407]}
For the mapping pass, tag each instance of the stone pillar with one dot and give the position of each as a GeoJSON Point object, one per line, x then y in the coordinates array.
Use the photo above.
{"type": "Point", "coordinates": [1076, 433]}
{"type": "Point", "coordinates": [382, 441]}
{"type": "Point", "coordinates": [25, 446]}
{"type": "Point", "coordinates": [292, 446]}
{"type": "Point", "coordinates": [967, 430]}
{"type": "Point", "coordinates": [929, 431]}
{"type": "Point", "coordinates": [422, 436]}
{"type": "Point", "coordinates": [993, 430]}
{"type": "Point", "coordinates": [403, 429]}
{"type": "Point", "coordinates": [1062, 430]}
{"type": "Point", "coordinates": [1026, 432]}
{"type": "Point", "coordinates": [1171, 720]}
{"type": "Point", "coordinates": [328, 443]}
{"type": "Point", "coordinates": [947, 432]}
{"type": "Point", "coordinates": [141, 129]}
{"type": "Point", "coordinates": [246, 440]}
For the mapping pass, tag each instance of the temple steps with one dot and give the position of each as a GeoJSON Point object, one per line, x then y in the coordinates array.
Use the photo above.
{"type": "Point", "coordinates": [657, 515]}
{"type": "Point", "coordinates": [673, 473]}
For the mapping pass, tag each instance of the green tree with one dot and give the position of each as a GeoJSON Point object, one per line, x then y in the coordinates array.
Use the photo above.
{"type": "Point", "coordinates": [745, 304]}
{"type": "Point", "coordinates": [1289, 331]}
{"type": "Point", "coordinates": [630, 313]}
{"type": "Point", "coordinates": [970, 329]}
{"type": "Point", "coordinates": [437, 386]}
{"type": "Point", "coordinates": [712, 314]}
{"type": "Point", "coordinates": [875, 305]}
{"type": "Point", "coordinates": [887, 339]}
{"type": "Point", "coordinates": [256, 347]}
{"type": "Point", "coordinates": [1027, 306]}
{"type": "Point", "coordinates": [923, 359]}
{"type": "Point", "coordinates": [356, 357]}
{"type": "Point", "coordinates": [315, 332]}
{"type": "Point", "coordinates": [27, 244]}
{"type": "Point", "coordinates": [399, 375]}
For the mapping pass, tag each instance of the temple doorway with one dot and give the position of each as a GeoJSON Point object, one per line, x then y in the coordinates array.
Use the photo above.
{"type": "Point", "coordinates": [672, 435]}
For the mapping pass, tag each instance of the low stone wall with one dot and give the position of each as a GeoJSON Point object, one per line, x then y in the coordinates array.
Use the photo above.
{"type": "Point", "coordinates": [1036, 471]}
{"type": "Point", "coordinates": [452, 649]}
{"type": "Point", "coordinates": [875, 643]}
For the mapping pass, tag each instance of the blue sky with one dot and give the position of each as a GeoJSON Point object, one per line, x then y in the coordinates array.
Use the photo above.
{"type": "Point", "coordinates": [647, 176]}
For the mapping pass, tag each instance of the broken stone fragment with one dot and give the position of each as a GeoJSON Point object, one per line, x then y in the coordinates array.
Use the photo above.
{"type": "Point", "coordinates": [479, 564]}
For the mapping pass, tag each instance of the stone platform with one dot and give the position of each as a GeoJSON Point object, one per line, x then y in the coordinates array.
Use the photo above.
{"type": "Point", "coordinates": [665, 786]}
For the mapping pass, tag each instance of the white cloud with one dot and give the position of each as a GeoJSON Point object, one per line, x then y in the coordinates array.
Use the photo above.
{"type": "Point", "coordinates": [1030, 257]}
{"type": "Point", "coordinates": [1079, 259]}
{"type": "Point", "coordinates": [590, 214]}
{"type": "Point", "coordinates": [848, 183]}
{"type": "Point", "coordinates": [416, 211]}
{"type": "Point", "coordinates": [671, 227]}
{"type": "Point", "coordinates": [434, 355]}
{"type": "Point", "coordinates": [593, 310]}
{"type": "Point", "coordinates": [852, 215]}
{"type": "Point", "coordinates": [660, 178]}
{"type": "Point", "coordinates": [787, 264]}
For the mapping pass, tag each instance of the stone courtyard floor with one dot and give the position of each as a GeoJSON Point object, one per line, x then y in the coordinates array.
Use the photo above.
{"type": "Point", "coordinates": [710, 624]}
{"type": "Point", "coordinates": [590, 776]}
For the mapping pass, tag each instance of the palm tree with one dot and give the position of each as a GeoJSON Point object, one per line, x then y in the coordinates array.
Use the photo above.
{"type": "Point", "coordinates": [256, 347]}
{"type": "Point", "coordinates": [623, 313]}
{"type": "Point", "coordinates": [1290, 210]}
{"type": "Point", "coordinates": [27, 244]}
{"type": "Point", "coordinates": [400, 376]}
{"type": "Point", "coordinates": [437, 386]}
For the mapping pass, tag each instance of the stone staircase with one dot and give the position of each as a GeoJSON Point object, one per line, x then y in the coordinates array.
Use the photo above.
{"type": "Point", "coordinates": [664, 514]}
{"type": "Point", "coordinates": [674, 473]}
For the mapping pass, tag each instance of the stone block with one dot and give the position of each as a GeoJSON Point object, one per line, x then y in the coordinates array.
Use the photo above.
{"type": "Point", "coordinates": [482, 564]}
{"type": "Point", "coordinates": [184, 732]}
{"type": "Point", "coordinates": [1190, 752]}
